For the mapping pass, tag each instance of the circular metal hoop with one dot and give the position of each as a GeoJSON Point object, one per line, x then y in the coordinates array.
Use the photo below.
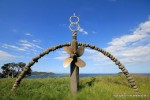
{"type": "Point", "coordinates": [72, 22]}
{"type": "Point", "coordinates": [77, 25]}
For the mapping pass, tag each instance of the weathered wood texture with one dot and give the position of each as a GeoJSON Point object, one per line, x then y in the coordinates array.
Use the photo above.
{"type": "Point", "coordinates": [74, 70]}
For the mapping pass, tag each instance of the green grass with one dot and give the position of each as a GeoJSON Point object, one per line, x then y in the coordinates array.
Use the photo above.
{"type": "Point", "coordinates": [92, 88]}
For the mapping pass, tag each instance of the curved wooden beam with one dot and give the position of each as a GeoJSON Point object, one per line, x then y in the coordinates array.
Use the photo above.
{"type": "Point", "coordinates": [131, 81]}
{"type": "Point", "coordinates": [33, 61]}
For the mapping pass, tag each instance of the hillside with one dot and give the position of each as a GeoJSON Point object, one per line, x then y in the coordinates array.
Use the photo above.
{"type": "Point", "coordinates": [92, 88]}
{"type": "Point", "coordinates": [42, 73]}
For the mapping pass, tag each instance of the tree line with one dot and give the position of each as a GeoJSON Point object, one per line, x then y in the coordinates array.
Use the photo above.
{"type": "Point", "coordinates": [12, 70]}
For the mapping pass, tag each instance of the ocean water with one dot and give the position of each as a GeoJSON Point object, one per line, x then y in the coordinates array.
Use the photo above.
{"type": "Point", "coordinates": [81, 75]}
{"type": "Point", "coordinates": [66, 75]}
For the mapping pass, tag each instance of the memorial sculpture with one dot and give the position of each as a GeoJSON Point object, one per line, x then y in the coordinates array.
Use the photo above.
{"type": "Point", "coordinates": [75, 50]}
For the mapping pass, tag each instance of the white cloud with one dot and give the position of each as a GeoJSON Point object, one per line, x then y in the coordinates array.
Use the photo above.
{"type": "Point", "coordinates": [134, 47]}
{"type": "Point", "coordinates": [28, 34]}
{"type": "Point", "coordinates": [83, 31]}
{"type": "Point", "coordinates": [26, 43]}
{"type": "Point", "coordinates": [13, 47]}
{"type": "Point", "coordinates": [94, 56]}
{"type": "Point", "coordinates": [140, 33]}
{"type": "Point", "coordinates": [24, 46]}
{"type": "Point", "coordinates": [61, 55]}
{"type": "Point", "coordinates": [104, 63]}
{"type": "Point", "coordinates": [5, 55]}
{"type": "Point", "coordinates": [130, 48]}
{"type": "Point", "coordinates": [90, 51]}
{"type": "Point", "coordinates": [37, 41]}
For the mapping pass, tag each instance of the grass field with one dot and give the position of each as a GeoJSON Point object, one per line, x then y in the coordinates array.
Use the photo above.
{"type": "Point", "coordinates": [92, 88]}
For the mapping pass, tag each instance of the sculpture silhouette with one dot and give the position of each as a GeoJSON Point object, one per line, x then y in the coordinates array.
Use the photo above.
{"type": "Point", "coordinates": [74, 60]}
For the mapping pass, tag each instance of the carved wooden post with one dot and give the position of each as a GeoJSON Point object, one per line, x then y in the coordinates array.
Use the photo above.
{"type": "Point", "coordinates": [74, 70]}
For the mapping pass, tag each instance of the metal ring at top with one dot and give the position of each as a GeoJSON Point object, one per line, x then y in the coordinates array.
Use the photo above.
{"type": "Point", "coordinates": [74, 17]}
{"type": "Point", "coordinates": [77, 26]}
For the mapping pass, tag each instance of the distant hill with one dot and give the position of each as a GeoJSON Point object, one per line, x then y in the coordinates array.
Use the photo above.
{"type": "Point", "coordinates": [42, 73]}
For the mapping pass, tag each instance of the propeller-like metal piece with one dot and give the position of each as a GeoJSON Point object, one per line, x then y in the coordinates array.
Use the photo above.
{"type": "Point", "coordinates": [68, 50]}
{"type": "Point", "coordinates": [74, 55]}
{"type": "Point", "coordinates": [67, 62]}
{"type": "Point", "coordinates": [80, 63]}
{"type": "Point", "coordinates": [80, 51]}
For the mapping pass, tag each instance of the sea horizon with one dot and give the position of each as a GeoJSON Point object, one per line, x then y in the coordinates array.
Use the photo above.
{"type": "Point", "coordinates": [81, 75]}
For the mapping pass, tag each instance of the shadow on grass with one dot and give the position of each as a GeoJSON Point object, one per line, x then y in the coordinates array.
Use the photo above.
{"type": "Point", "coordinates": [87, 84]}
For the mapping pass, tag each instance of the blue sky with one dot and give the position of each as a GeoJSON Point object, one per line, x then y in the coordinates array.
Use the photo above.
{"type": "Point", "coordinates": [122, 27]}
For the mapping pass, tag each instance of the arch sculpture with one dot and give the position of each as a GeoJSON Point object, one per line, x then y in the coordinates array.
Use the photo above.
{"type": "Point", "coordinates": [75, 50]}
